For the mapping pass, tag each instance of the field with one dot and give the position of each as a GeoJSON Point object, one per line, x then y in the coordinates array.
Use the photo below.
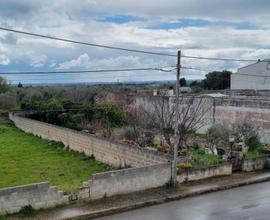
{"type": "Point", "coordinates": [26, 159]}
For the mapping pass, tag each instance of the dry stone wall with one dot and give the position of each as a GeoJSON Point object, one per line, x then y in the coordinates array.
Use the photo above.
{"type": "Point", "coordinates": [114, 154]}
{"type": "Point", "coordinates": [39, 195]}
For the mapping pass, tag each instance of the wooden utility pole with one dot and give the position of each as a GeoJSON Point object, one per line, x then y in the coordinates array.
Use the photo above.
{"type": "Point", "coordinates": [177, 121]}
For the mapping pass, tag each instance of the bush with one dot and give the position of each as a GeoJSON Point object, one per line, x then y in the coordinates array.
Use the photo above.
{"type": "Point", "coordinates": [149, 138]}
{"type": "Point", "coordinates": [248, 134]}
{"type": "Point", "coordinates": [7, 100]}
{"type": "Point", "coordinates": [131, 134]}
{"type": "Point", "coordinates": [218, 136]}
{"type": "Point", "coordinates": [183, 167]}
{"type": "Point", "coordinates": [27, 210]}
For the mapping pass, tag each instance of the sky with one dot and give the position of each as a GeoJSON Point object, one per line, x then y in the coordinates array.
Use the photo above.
{"type": "Point", "coordinates": [237, 29]}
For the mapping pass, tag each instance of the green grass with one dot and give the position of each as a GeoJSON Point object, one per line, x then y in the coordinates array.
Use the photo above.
{"type": "Point", "coordinates": [26, 159]}
{"type": "Point", "coordinates": [253, 153]}
{"type": "Point", "coordinates": [200, 159]}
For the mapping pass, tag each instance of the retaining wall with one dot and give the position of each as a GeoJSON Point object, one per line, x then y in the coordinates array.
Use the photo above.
{"type": "Point", "coordinates": [114, 154]}
{"type": "Point", "coordinates": [125, 181]}
{"type": "Point", "coordinates": [204, 173]}
{"type": "Point", "coordinates": [257, 163]}
{"type": "Point", "coordinates": [39, 195]}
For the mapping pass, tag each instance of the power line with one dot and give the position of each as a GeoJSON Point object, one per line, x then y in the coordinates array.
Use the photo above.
{"type": "Point", "coordinates": [85, 43]}
{"type": "Point", "coordinates": [81, 71]}
{"type": "Point", "coordinates": [244, 74]}
{"type": "Point", "coordinates": [125, 49]}
{"type": "Point", "coordinates": [78, 78]}
{"type": "Point", "coordinates": [219, 59]}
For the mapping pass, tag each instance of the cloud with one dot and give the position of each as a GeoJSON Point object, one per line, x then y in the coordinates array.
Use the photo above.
{"type": "Point", "coordinates": [4, 60]}
{"type": "Point", "coordinates": [8, 39]}
{"type": "Point", "coordinates": [84, 62]}
{"type": "Point", "coordinates": [224, 28]}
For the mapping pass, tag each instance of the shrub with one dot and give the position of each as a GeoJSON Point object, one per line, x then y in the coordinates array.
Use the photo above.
{"type": "Point", "coordinates": [247, 133]}
{"type": "Point", "coordinates": [7, 100]}
{"type": "Point", "coordinates": [218, 136]}
{"type": "Point", "coordinates": [183, 167]}
{"type": "Point", "coordinates": [131, 134]}
{"type": "Point", "coordinates": [149, 138]}
{"type": "Point", "coordinates": [27, 210]}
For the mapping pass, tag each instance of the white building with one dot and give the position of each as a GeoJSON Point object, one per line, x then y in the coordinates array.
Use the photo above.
{"type": "Point", "coordinates": [255, 76]}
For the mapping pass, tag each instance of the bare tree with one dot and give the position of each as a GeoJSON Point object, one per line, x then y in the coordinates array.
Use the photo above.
{"type": "Point", "coordinates": [192, 113]}
{"type": "Point", "coordinates": [139, 122]}
{"type": "Point", "coordinates": [161, 113]}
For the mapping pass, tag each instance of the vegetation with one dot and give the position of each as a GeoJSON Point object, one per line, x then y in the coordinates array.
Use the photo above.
{"type": "Point", "coordinates": [216, 80]}
{"type": "Point", "coordinates": [183, 167]}
{"type": "Point", "coordinates": [254, 153]}
{"type": "Point", "coordinates": [4, 87]}
{"type": "Point", "coordinates": [28, 159]}
{"type": "Point", "coordinates": [201, 159]}
{"type": "Point", "coordinates": [243, 133]}
{"type": "Point", "coordinates": [77, 115]}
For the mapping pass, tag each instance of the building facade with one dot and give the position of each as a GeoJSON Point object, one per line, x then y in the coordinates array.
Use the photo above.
{"type": "Point", "coordinates": [255, 76]}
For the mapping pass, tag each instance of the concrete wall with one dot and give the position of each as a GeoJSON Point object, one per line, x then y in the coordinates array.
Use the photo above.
{"type": "Point", "coordinates": [125, 181]}
{"type": "Point", "coordinates": [39, 195]}
{"type": "Point", "coordinates": [204, 173]}
{"type": "Point", "coordinates": [136, 179]}
{"type": "Point", "coordinates": [253, 164]}
{"type": "Point", "coordinates": [115, 154]}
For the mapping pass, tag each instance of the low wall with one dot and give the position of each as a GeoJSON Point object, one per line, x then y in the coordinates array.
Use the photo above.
{"type": "Point", "coordinates": [204, 173]}
{"type": "Point", "coordinates": [39, 195]}
{"type": "Point", "coordinates": [114, 154]}
{"type": "Point", "coordinates": [253, 164]}
{"type": "Point", "coordinates": [125, 181]}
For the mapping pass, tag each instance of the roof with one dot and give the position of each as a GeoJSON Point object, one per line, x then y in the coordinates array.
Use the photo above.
{"type": "Point", "coordinates": [215, 95]}
{"type": "Point", "coordinates": [265, 60]}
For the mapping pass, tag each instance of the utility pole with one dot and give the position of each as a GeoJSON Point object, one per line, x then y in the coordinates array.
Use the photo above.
{"type": "Point", "coordinates": [177, 121]}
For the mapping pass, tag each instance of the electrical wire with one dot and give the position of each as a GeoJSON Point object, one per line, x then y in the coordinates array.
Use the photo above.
{"type": "Point", "coordinates": [124, 49]}
{"type": "Point", "coordinates": [81, 78]}
{"type": "Point", "coordinates": [82, 71]}
{"type": "Point", "coordinates": [219, 59]}
{"type": "Point", "coordinates": [85, 43]}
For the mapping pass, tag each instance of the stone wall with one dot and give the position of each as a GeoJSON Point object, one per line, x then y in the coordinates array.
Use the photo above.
{"type": "Point", "coordinates": [204, 173]}
{"type": "Point", "coordinates": [39, 195]}
{"type": "Point", "coordinates": [253, 164]}
{"type": "Point", "coordinates": [115, 154]}
{"type": "Point", "coordinates": [125, 181]}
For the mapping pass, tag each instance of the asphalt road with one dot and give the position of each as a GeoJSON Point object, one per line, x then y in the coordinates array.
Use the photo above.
{"type": "Point", "coordinates": [244, 203]}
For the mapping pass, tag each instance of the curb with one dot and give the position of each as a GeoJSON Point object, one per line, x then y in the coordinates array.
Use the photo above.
{"type": "Point", "coordinates": [138, 205]}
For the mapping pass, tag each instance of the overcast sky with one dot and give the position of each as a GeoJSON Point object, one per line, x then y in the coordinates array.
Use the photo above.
{"type": "Point", "coordinates": [216, 28]}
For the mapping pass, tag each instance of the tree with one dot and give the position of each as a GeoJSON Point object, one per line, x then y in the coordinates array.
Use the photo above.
{"type": "Point", "coordinates": [161, 113]}
{"type": "Point", "coordinates": [192, 114]}
{"type": "Point", "coordinates": [217, 80]}
{"type": "Point", "coordinates": [4, 87]}
{"type": "Point", "coordinates": [20, 85]}
{"type": "Point", "coordinates": [183, 82]}
{"type": "Point", "coordinates": [194, 83]}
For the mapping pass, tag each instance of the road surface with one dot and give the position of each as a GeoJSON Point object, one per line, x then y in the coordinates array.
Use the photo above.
{"type": "Point", "coordinates": [244, 203]}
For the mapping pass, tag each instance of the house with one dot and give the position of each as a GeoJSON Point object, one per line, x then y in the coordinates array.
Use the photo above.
{"type": "Point", "coordinates": [255, 76]}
